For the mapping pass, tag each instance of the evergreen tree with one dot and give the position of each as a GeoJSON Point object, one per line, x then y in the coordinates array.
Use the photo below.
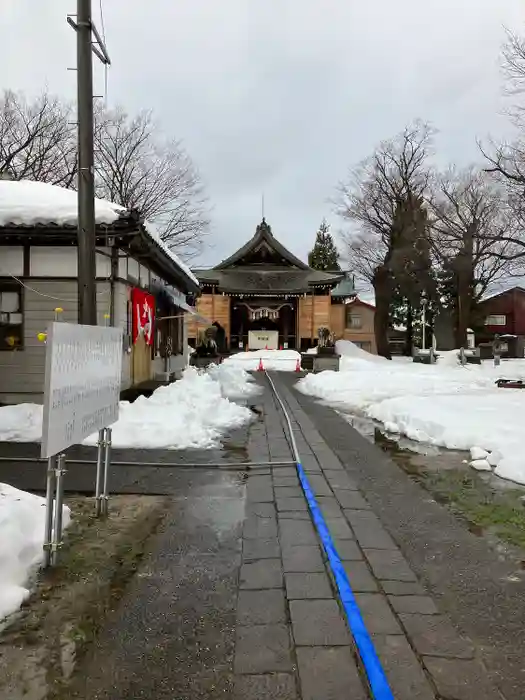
{"type": "Point", "coordinates": [411, 271]}
{"type": "Point", "coordinates": [324, 255]}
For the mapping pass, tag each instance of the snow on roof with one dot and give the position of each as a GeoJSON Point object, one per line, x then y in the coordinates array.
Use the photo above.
{"type": "Point", "coordinates": [152, 232]}
{"type": "Point", "coordinates": [28, 203]}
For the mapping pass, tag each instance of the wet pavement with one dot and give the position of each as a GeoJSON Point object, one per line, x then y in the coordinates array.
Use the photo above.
{"type": "Point", "coordinates": [235, 598]}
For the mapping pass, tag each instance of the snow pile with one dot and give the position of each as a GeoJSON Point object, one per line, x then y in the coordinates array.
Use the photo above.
{"type": "Point", "coordinates": [235, 382]}
{"type": "Point", "coordinates": [279, 360]}
{"type": "Point", "coordinates": [349, 350]}
{"type": "Point", "coordinates": [191, 413]}
{"type": "Point", "coordinates": [444, 405]}
{"type": "Point", "coordinates": [21, 423]}
{"type": "Point", "coordinates": [22, 519]}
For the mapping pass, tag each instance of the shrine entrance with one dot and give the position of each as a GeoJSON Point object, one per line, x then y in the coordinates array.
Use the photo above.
{"type": "Point", "coordinates": [259, 314]}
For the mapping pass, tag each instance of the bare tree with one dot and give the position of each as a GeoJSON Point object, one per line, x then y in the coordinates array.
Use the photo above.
{"type": "Point", "coordinates": [506, 161]}
{"type": "Point", "coordinates": [136, 166]}
{"type": "Point", "coordinates": [474, 239]}
{"type": "Point", "coordinates": [513, 63]}
{"type": "Point", "coordinates": [37, 139]}
{"type": "Point", "coordinates": [380, 200]}
{"type": "Point", "coordinates": [139, 169]}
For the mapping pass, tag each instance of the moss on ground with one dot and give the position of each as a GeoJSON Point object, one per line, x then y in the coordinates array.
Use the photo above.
{"type": "Point", "coordinates": [498, 511]}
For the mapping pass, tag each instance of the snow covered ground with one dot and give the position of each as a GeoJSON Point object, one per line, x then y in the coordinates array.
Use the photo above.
{"type": "Point", "coordinates": [22, 517]}
{"type": "Point", "coordinates": [194, 412]}
{"type": "Point", "coordinates": [444, 405]}
{"type": "Point", "coordinates": [279, 360]}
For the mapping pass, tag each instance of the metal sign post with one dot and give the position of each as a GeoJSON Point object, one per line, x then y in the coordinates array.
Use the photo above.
{"type": "Point", "coordinates": [81, 397]}
{"type": "Point", "coordinates": [107, 461]}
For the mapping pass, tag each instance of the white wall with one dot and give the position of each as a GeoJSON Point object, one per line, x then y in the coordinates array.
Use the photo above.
{"type": "Point", "coordinates": [61, 261]}
{"type": "Point", "coordinates": [12, 261]}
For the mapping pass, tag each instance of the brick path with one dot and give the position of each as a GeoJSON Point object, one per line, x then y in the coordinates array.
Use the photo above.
{"type": "Point", "coordinates": [292, 641]}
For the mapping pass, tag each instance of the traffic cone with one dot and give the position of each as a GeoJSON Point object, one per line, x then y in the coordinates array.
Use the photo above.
{"type": "Point", "coordinates": [298, 365]}
{"type": "Point", "coordinates": [260, 368]}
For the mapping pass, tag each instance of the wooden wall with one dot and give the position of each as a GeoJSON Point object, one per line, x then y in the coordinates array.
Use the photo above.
{"type": "Point", "coordinates": [365, 334]}
{"type": "Point", "coordinates": [215, 307]}
{"type": "Point", "coordinates": [314, 312]}
{"type": "Point", "coordinates": [337, 319]}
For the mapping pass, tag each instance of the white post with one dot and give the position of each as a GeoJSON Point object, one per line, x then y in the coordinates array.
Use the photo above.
{"type": "Point", "coordinates": [424, 302]}
{"type": "Point", "coordinates": [107, 462]}
{"type": "Point", "coordinates": [50, 503]}
{"type": "Point", "coordinates": [59, 505]}
{"type": "Point", "coordinates": [100, 466]}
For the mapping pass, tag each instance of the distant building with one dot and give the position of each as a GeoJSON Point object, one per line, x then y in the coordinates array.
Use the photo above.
{"type": "Point", "coordinates": [503, 314]}
{"type": "Point", "coordinates": [263, 295]}
{"type": "Point", "coordinates": [142, 287]}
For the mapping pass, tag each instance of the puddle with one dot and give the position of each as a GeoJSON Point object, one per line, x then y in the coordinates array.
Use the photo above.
{"type": "Point", "coordinates": [491, 508]}
{"type": "Point", "coordinates": [220, 505]}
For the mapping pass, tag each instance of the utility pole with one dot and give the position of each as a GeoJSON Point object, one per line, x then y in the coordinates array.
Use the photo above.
{"type": "Point", "coordinates": [88, 41]}
{"type": "Point", "coordinates": [87, 296]}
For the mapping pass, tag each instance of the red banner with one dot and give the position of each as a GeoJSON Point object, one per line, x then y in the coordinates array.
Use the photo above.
{"type": "Point", "coordinates": [143, 305]}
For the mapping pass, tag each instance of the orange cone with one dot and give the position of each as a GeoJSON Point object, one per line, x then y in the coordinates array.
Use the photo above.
{"type": "Point", "coordinates": [298, 365]}
{"type": "Point", "coordinates": [260, 368]}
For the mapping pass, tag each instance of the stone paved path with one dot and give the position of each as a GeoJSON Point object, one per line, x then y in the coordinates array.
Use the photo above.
{"type": "Point", "coordinates": [235, 599]}
{"type": "Point", "coordinates": [289, 619]}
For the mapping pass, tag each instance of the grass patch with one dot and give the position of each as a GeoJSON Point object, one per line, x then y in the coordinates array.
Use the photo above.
{"type": "Point", "coordinates": [498, 511]}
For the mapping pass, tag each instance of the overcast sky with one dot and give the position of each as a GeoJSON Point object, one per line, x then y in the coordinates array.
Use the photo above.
{"type": "Point", "coordinates": [280, 96]}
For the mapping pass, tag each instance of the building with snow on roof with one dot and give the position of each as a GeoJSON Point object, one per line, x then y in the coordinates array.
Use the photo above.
{"type": "Point", "coordinates": [264, 296]}
{"type": "Point", "coordinates": [142, 287]}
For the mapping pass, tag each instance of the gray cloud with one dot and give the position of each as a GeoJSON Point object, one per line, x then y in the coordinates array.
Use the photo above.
{"type": "Point", "coordinates": [280, 96]}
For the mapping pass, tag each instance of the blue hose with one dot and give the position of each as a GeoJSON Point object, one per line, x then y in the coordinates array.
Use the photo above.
{"type": "Point", "coordinates": [374, 671]}
{"type": "Point", "coordinates": [377, 679]}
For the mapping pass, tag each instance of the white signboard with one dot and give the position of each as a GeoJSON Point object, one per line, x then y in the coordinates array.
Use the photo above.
{"type": "Point", "coordinates": [258, 340]}
{"type": "Point", "coordinates": [82, 383]}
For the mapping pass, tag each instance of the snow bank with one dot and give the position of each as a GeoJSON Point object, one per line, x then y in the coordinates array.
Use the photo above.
{"type": "Point", "coordinates": [235, 382]}
{"type": "Point", "coordinates": [22, 519]}
{"type": "Point", "coordinates": [444, 405]}
{"type": "Point", "coordinates": [21, 423]}
{"type": "Point", "coordinates": [349, 350]}
{"type": "Point", "coordinates": [192, 413]}
{"type": "Point", "coordinates": [279, 360]}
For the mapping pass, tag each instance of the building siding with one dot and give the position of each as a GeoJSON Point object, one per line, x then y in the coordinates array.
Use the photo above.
{"type": "Point", "coordinates": [364, 335]}
{"type": "Point", "coordinates": [512, 305]}
{"type": "Point", "coordinates": [22, 371]}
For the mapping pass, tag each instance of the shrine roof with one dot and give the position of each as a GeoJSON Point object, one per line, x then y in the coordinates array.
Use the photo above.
{"type": "Point", "coordinates": [264, 265]}
{"type": "Point", "coordinates": [286, 280]}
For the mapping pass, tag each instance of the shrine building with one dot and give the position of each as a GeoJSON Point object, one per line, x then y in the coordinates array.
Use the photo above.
{"type": "Point", "coordinates": [264, 296]}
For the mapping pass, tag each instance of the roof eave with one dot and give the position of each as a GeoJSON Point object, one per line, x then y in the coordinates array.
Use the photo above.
{"type": "Point", "coordinates": [172, 272]}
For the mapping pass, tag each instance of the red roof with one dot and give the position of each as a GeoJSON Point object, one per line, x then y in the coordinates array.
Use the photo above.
{"type": "Point", "coordinates": [363, 303]}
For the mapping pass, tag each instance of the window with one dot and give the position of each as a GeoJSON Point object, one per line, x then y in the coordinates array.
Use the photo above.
{"type": "Point", "coordinates": [354, 321]}
{"type": "Point", "coordinates": [496, 320]}
{"type": "Point", "coordinates": [11, 317]}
